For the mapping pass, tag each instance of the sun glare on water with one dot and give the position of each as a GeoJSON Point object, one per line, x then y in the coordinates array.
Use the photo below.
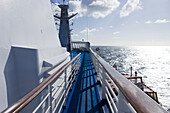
{"type": "Point", "coordinates": [151, 62]}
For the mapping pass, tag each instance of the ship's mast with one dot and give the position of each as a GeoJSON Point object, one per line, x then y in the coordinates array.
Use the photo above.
{"type": "Point", "coordinates": [64, 30]}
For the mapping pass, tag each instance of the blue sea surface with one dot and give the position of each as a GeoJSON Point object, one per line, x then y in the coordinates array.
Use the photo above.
{"type": "Point", "coordinates": [150, 62]}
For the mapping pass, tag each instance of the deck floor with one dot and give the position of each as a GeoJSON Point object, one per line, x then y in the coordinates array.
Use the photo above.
{"type": "Point", "coordinates": [85, 97]}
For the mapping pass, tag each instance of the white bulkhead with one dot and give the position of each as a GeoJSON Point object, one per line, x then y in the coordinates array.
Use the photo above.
{"type": "Point", "coordinates": [29, 43]}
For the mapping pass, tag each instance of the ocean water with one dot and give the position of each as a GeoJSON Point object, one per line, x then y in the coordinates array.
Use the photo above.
{"type": "Point", "coordinates": [150, 62]}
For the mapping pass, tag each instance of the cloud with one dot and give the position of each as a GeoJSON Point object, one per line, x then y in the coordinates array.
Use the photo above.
{"type": "Point", "coordinates": [161, 21]}
{"type": "Point", "coordinates": [115, 33]}
{"type": "Point", "coordinates": [75, 7]}
{"type": "Point", "coordinates": [100, 27]}
{"type": "Point", "coordinates": [137, 22]}
{"type": "Point", "coordinates": [111, 26]}
{"type": "Point", "coordinates": [148, 22]}
{"type": "Point", "coordinates": [89, 30]}
{"type": "Point", "coordinates": [122, 24]}
{"type": "Point", "coordinates": [130, 6]}
{"type": "Point", "coordinates": [56, 10]}
{"type": "Point", "coordinates": [75, 35]}
{"type": "Point", "coordinates": [102, 8]}
{"type": "Point", "coordinates": [116, 37]}
{"type": "Point", "coordinates": [96, 9]}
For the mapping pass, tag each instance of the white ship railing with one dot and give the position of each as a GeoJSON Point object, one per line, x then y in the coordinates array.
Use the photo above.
{"type": "Point", "coordinates": [54, 90]}
{"type": "Point", "coordinates": [121, 94]}
{"type": "Point", "coordinates": [83, 46]}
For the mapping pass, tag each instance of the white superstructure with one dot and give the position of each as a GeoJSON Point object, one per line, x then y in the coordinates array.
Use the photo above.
{"type": "Point", "coordinates": [29, 44]}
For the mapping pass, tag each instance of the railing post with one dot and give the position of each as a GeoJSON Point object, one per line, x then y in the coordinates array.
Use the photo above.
{"type": "Point", "coordinates": [97, 71]}
{"type": "Point", "coordinates": [65, 87]}
{"type": "Point", "coordinates": [50, 98]}
{"type": "Point", "coordinates": [97, 68]}
{"type": "Point", "coordinates": [103, 84]}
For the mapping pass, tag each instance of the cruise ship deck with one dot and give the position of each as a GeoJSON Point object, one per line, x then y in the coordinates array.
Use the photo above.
{"type": "Point", "coordinates": [37, 74]}
{"type": "Point", "coordinates": [86, 84]}
{"type": "Point", "coordinates": [84, 97]}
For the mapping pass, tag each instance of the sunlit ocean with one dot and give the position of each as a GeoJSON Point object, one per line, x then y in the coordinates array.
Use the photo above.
{"type": "Point", "coordinates": [151, 62]}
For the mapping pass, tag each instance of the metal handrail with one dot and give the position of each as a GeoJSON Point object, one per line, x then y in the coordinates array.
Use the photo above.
{"type": "Point", "coordinates": [25, 100]}
{"type": "Point", "coordinates": [141, 102]}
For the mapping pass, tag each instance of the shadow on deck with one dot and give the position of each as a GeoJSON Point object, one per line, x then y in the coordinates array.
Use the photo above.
{"type": "Point", "coordinates": [85, 96]}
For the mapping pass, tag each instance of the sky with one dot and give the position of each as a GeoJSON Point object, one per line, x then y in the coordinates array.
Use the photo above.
{"type": "Point", "coordinates": [122, 22]}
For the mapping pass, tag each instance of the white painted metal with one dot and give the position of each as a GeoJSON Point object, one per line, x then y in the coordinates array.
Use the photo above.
{"type": "Point", "coordinates": [80, 45]}
{"type": "Point", "coordinates": [123, 106]}
{"type": "Point", "coordinates": [111, 90]}
{"type": "Point", "coordinates": [46, 97]}
{"type": "Point", "coordinates": [50, 98]}
{"type": "Point", "coordinates": [103, 83]}
{"type": "Point", "coordinates": [117, 89]}
{"type": "Point", "coordinates": [47, 111]}
{"type": "Point", "coordinates": [111, 99]}
{"type": "Point", "coordinates": [59, 101]}
{"type": "Point", "coordinates": [28, 44]}
{"type": "Point", "coordinates": [56, 97]}
{"type": "Point", "coordinates": [132, 109]}
{"type": "Point", "coordinates": [110, 106]}
{"type": "Point", "coordinates": [117, 104]}
{"type": "Point", "coordinates": [65, 86]}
